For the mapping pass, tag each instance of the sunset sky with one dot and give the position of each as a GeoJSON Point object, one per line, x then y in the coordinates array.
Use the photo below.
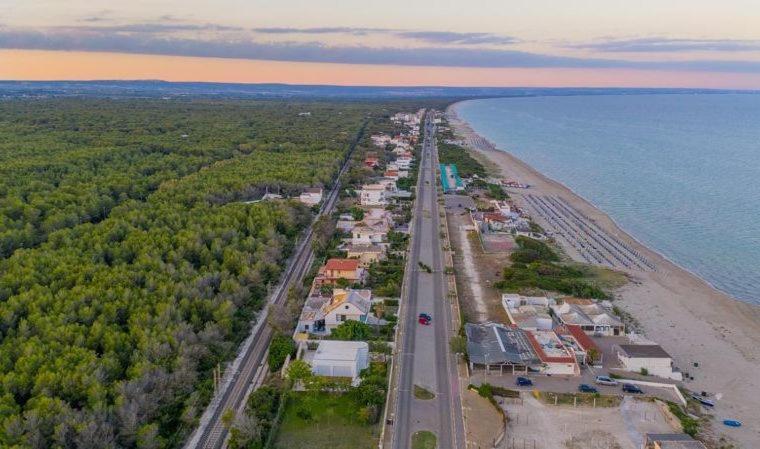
{"type": "Point", "coordinates": [674, 43]}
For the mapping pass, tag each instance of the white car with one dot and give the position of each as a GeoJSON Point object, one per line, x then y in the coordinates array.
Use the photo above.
{"type": "Point", "coordinates": [604, 380]}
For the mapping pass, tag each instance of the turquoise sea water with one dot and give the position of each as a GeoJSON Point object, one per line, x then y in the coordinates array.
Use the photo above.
{"type": "Point", "coordinates": [681, 173]}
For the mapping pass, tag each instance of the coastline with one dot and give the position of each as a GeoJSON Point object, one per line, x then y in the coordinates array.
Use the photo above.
{"type": "Point", "coordinates": [690, 318]}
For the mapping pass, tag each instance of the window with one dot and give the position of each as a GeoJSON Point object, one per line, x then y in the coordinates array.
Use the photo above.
{"type": "Point", "coordinates": [341, 318]}
{"type": "Point", "coordinates": [306, 327]}
{"type": "Point", "coordinates": [346, 307]}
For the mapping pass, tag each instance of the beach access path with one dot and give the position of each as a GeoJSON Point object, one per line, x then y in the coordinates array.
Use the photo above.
{"type": "Point", "coordinates": [711, 336]}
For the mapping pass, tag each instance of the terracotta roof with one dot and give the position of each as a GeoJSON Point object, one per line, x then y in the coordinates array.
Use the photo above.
{"type": "Point", "coordinates": [493, 216]}
{"type": "Point", "coordinates": [584, 340]}
{"type": "Point", "coordinates": [342, 264]}
{"type": "Point", "coordinates": [543, 355]}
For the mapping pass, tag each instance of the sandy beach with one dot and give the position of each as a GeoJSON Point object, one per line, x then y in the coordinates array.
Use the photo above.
{"type": "Point", "coordinates": [694, 322]}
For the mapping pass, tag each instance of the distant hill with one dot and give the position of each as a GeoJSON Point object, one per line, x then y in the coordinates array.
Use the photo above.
{"type": "Point", "coordinates": [158, 89]}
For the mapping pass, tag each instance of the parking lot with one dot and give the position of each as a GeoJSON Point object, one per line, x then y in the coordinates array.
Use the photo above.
{"type": "Point", "coordinates": [565, 384]}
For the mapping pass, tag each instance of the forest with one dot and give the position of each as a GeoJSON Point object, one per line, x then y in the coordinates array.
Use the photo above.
{"type": "Point", "coordinates": [133, 253]}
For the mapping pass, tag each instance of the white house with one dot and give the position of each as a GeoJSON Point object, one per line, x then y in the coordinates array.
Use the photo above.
{"type": "Point", "coordinates": [591, 317]}
{"type": "Point", "coordinates": [651, 358]}
{"type": "Point", "coordinates": [369, 232]}
{"type": "Point", "coordinates": [311, 196]}
{"type": "Point", "coordinates": [373, 195]}
{"type": "Point", "coordinates": [335, 358]}
{"type": "Point", "coordinates": [404, 162]}
{"type": "Point", "coordinates": [347, 305]}
{"type": "Point", "coordinates": [321, 315]}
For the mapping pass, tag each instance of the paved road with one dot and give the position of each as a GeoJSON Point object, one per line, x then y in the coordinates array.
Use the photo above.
{"type": "Point", "coordinates": [249, 368]}
{"type": "Point", "coordinates": [425, 358]}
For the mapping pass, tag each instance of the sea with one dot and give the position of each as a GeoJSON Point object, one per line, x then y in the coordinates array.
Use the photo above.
{"type": "Point", "coordinates": [679, 172]}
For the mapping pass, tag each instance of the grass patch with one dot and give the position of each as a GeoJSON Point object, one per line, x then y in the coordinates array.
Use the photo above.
{"type": "Point", "coordinates": [690, 425]}
{"type": "Point", "coordinates": [325, 420]}
{"type": "Point", "coordinates": [603, 277]}
{"type": "Point", "coordinates": [422, 393]}
{"type": "Point", "coordinates": [535, 265]}
{"type": "Point", "coordinates": [424, 440]}
{"type": "Point", "coordinates": [580, 399]}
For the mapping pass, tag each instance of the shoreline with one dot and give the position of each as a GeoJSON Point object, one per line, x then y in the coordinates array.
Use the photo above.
{"type": "Point", "coordinates": [694, 321]}
{"type": "Point", "coordinates": [465, 126]}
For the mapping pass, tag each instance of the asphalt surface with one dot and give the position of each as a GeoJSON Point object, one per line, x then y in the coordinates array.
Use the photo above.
{"type": "Point", "coordinates": [425, 359]}
{"type": "Point", "coordinates": [212, 434]}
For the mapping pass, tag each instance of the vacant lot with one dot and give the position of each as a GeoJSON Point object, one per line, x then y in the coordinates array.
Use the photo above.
{"type": "Point", "coordinates": [324, 420]}
{"type": "Point", "coordinates": [540, 426]}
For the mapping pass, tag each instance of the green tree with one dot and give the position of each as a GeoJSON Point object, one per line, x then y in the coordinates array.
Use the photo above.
{"type": "Point", "coordinates": [279, 349]}
{"type": "Point", "coordinates": [299, 370]}
{"type": "Point", "coordinates": [352, 330]}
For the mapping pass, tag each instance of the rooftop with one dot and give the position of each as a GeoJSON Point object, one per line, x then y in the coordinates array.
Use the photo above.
{"type": "Point", "coordinates": [335, 350]}
{"type": "Point", "coordinates": [497, 344]}
{"type": "Point", "coordinates": [549, 347]}
{"type": "Point", "coordinates": [342, 264]}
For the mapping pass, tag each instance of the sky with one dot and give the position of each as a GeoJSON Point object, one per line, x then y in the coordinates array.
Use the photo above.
{"type": "Point", "coordinates": [646, 43]}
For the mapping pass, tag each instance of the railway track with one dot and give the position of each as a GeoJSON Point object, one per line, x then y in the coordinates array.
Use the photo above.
{"type": "Point", "coordinates": [249, 368]}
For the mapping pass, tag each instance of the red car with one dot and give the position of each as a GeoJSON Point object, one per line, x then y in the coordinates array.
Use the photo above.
{"type": "Point", "coordinates": [425, 319]}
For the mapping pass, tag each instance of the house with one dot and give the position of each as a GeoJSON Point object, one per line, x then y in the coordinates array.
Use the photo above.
{"type": "Point", "coordinates": [496, 221]}
{"type": "Point", "coordinates": [371, 161]}
{"type": "Point", "coordinates": [311, 196]}
{"type": "Point", "coordinates": [321, 314]}
{"type": "Point", "coordinates": [502, 207]}
{"type": "Point", "coordinates": [334, 358]}
{"type": "Point", "coordinates": [366, 254]}
{"type": "Point", "coordinates": [345, 224]}
{"type": "Point", "coordinates": [528, 312]}
{"type": "Point", "coordinates": [494, 346]}
{"type": "Point", "coordinates": [312, 319]}
{"type": "Point", "coordinates": [391, 174]}
{"type": "Point", "coordinates": [336, 269]}
{"type": "Point", "coordinates": [556, 358]}
{"type": "Point", "coordinates": [373, 195]}
{"type": "Point", "coordinates": [380, 140]}
{"type": "Point", "coordinates": [651, 358]}
{"type": "Point", "coordinates": [573, 337]}
{"type": "Point", "coordinates": [404, 161]}
{"type": "Point", "coordinates": [671, 441]}
{"type": "Point", "coordinates": [348, 304]}
{"type": "Point", "coordinates": [590, 316]}
{"type": "Point", "coordinates": [369, 232]}
{"type": "Point", "coordinates": [512, 300]}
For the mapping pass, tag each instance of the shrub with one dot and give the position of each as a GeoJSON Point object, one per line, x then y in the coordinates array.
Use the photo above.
{"type": "Point", "coordinates": [352, 330]}
{"type": "Point", "coordinates": [279, 349]}
{"type": "Point", "coordinates": [304, 413]}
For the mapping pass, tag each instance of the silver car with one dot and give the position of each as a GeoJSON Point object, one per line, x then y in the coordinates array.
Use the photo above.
{"type": "Point", "coordinates": [604, 380]}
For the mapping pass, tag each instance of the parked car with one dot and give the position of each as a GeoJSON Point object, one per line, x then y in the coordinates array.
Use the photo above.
{"type": "Point", "coordinates": [584, 388]}
{"type": "Point", "coordinates": [604, 380]}
{"type": "Point", "coordinates": [524, 382]}
{"type": "Point", "coordinates": [631, 388]}
{"type": "Point", "coordinates": [424, 318]}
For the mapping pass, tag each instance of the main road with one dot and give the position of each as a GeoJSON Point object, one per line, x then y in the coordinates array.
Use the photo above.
{"type": "Point", "coordinates": [249, 367]}
{"type": "Point", "coordinates": [424, 358]}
